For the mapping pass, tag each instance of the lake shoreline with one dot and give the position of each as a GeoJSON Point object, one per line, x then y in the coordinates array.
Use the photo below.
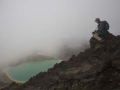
{"type": "Point", "coordinates": [11, 78]}
{"type": "Point", "coordinates": [21, 82]}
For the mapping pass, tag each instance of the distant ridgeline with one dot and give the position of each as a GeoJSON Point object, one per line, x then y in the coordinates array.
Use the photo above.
{"type": "Point", "coordinates": [34, 57]}
{"type": "Point", "coordinates": [93, 69]}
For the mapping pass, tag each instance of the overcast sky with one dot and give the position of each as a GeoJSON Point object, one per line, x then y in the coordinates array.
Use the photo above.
{"type": "Point", "coordinates": [45, 25]}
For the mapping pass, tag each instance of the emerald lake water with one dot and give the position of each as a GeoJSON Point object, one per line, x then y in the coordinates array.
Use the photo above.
{"type": "Point", "coordinates": [25, 71]}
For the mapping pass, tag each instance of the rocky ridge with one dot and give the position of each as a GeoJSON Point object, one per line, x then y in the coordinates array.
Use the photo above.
{"type": "Point", "coordinates": [93, 69]}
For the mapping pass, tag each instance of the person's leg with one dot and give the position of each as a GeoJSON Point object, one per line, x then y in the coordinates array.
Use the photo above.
{"type": "Point", "coordinates": [96, 36]}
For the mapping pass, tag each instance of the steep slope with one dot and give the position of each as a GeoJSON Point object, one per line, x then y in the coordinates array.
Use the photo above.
{"type": "Point", "coordinates": [93, 69]}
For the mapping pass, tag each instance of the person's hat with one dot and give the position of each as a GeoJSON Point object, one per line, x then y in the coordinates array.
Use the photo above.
{"type": "Point", "coordinates": [97, 19]}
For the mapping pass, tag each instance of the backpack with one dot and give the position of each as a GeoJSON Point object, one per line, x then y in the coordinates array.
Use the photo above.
{"type": "Point", "coordinates": [106, 25]}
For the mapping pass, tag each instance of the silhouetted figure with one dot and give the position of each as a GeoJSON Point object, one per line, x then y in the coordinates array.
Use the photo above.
{"type": "Point", "coordinates": [102, 30]}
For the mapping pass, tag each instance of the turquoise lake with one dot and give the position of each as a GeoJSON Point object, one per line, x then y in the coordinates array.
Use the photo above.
{"type": "Point", "coordinates": [25, 71]}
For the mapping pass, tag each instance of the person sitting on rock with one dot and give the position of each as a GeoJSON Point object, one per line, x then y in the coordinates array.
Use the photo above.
{"type": "Point", "coordinates": [102, 28]}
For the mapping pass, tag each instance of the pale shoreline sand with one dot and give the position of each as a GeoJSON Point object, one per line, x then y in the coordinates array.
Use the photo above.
{"type": "Point", "coordinates": [12, 79]}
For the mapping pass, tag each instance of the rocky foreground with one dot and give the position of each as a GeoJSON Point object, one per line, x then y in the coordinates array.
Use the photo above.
{"type": "Point", "coordinates": [97, 68]}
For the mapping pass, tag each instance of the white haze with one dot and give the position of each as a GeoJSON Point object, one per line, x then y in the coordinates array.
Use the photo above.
{"type": "Point", "coordinates": [45, 25]}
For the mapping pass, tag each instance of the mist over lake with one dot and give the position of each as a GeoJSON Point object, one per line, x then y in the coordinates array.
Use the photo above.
{"type": "Point", "coordinates": [47, 26]}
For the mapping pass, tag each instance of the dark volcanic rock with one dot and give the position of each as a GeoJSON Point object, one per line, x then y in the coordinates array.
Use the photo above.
{"type": "Point", "coordinates": [93, 69]}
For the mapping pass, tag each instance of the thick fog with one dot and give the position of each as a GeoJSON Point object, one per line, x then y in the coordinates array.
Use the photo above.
{"type": "Point", "coordinates": [27, 26]}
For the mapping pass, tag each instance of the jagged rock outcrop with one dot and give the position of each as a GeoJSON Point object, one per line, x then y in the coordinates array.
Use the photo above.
{"type": "Point", "coordinates": [93, 69]}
